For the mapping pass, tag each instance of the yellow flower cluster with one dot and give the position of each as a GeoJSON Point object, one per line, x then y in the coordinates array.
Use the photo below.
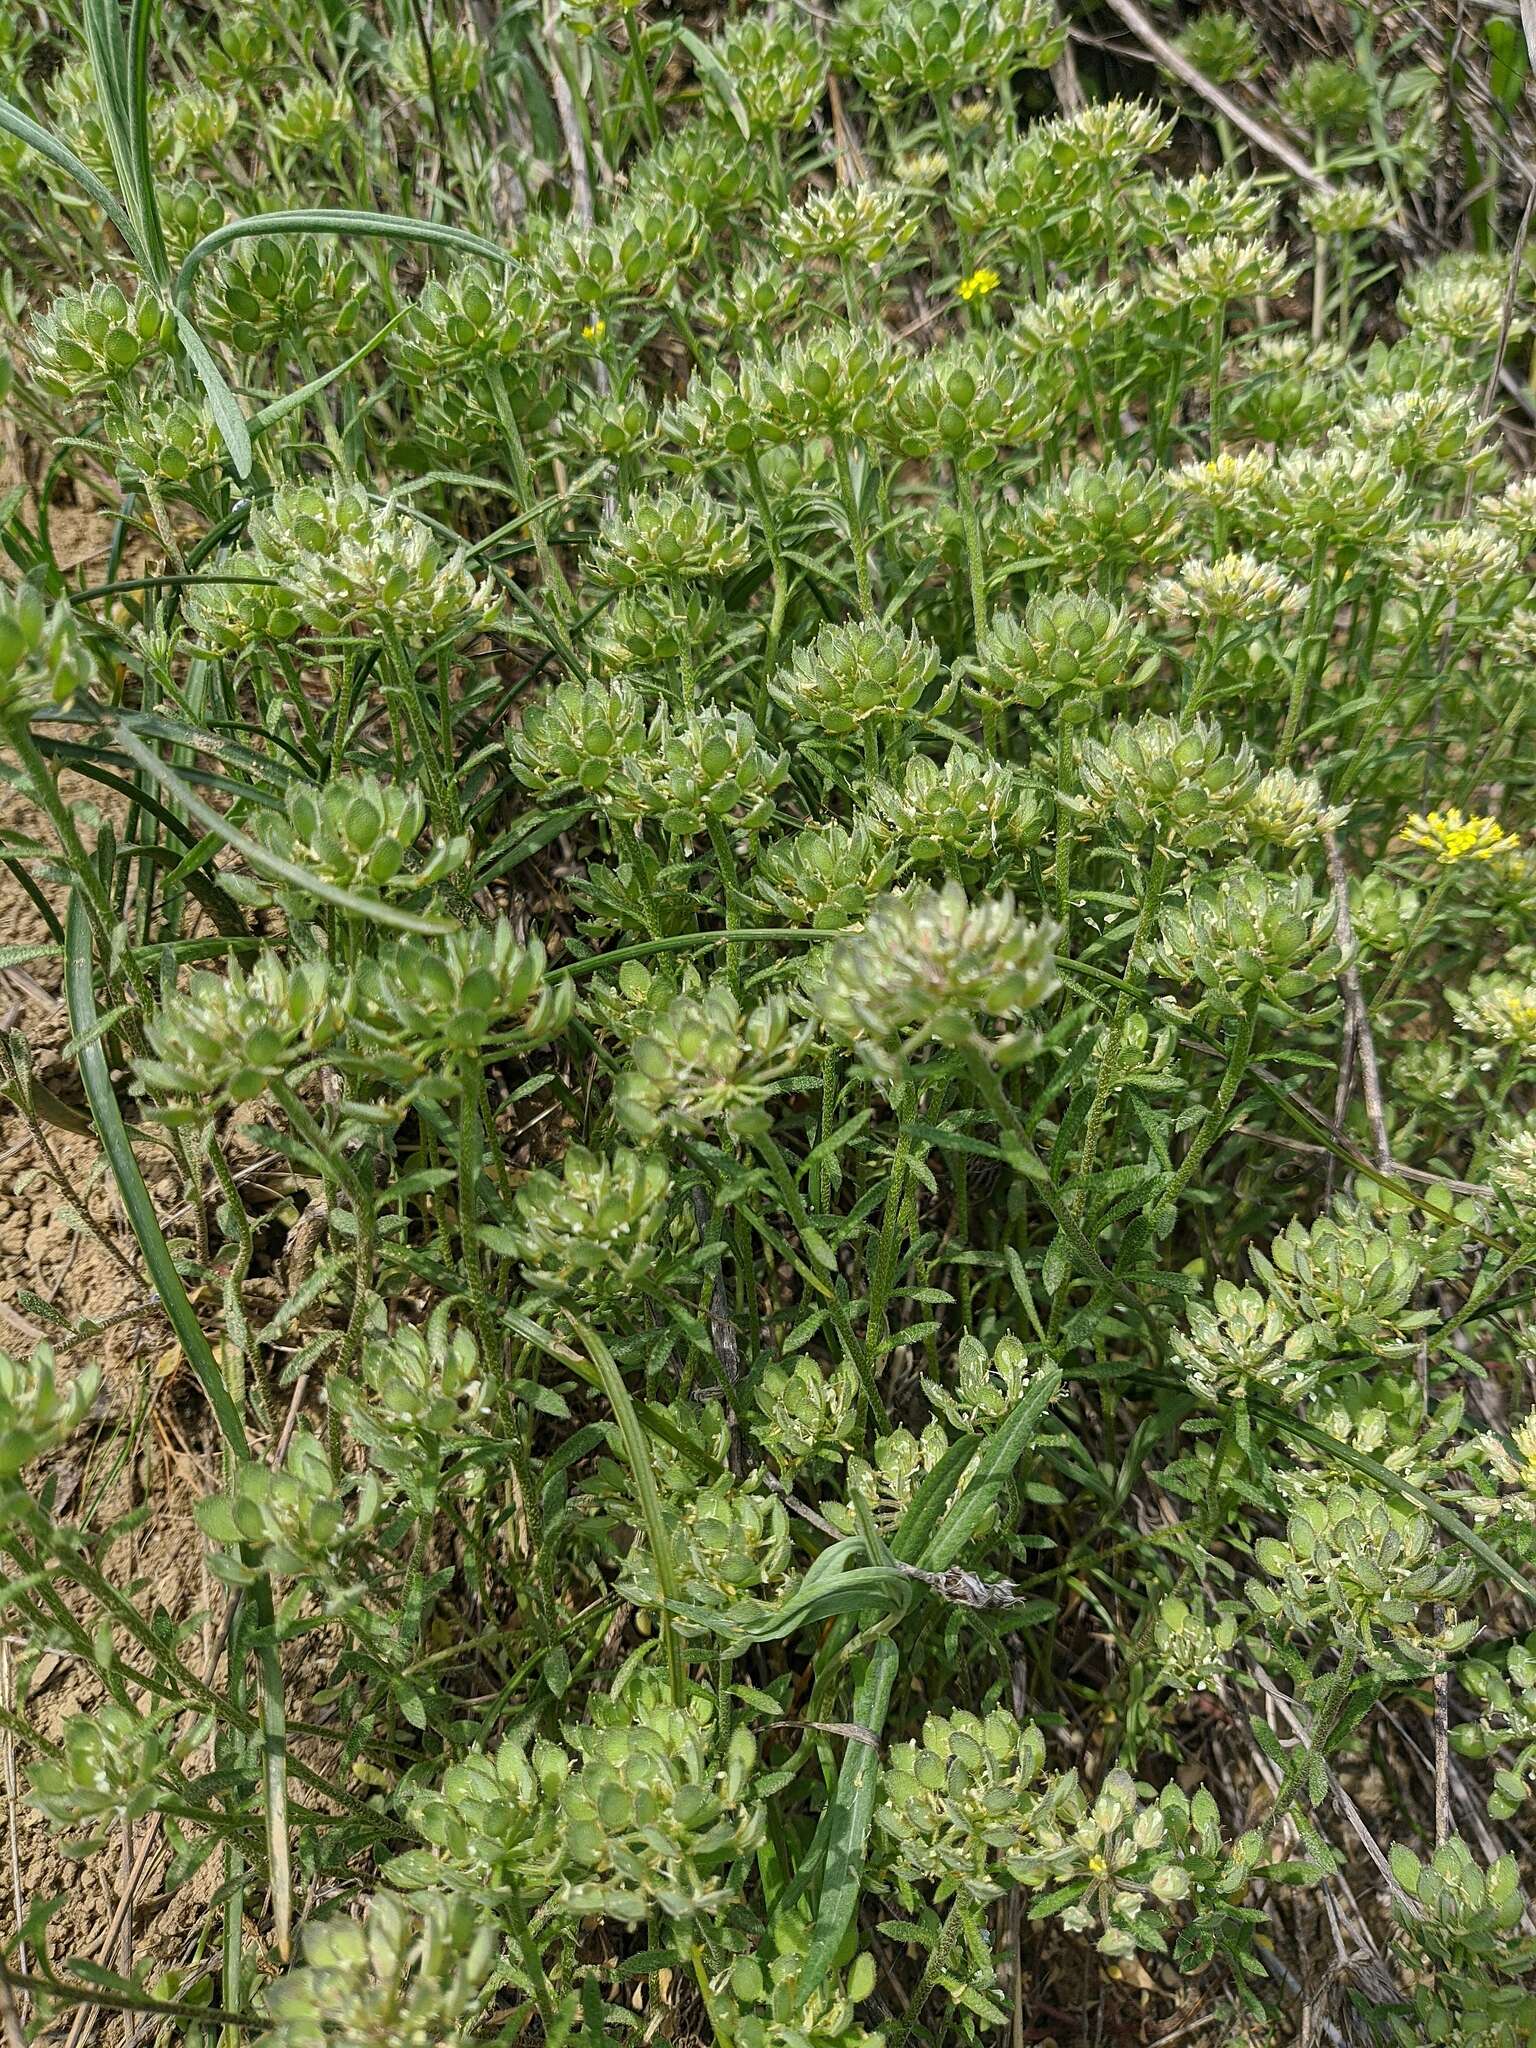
{"type": "Point", "coordinates": [978, 284]}
{"type": "Point", "coordinates": [1450, 837]}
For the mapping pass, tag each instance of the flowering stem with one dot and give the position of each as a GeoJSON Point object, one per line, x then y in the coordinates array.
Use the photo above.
{"type": "Point", "coordinates": [687, 667]}
{"type": "Point", "coordinates": [1063, 833]}
{"type": "Point", "coordinates": [1335, 1699]}
{"type": "Point", "coordinates": [828, 1110]}
{"type": "Point", "coordinates": [933, 1969]}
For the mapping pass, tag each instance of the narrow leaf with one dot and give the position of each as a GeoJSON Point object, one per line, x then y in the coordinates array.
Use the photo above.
{"type": "Point", "coordinates": [853, 1807]}
{"type": "Point", "coordinates": [325, 220]}
{"type": "Point", "coordinates": [222, 403]}
{"type": "Point", "coordinates": [371, 907]}
{"type": "Point", "coordinates": [26, 130]}
{"type": "Point", "coordinates": [1001, 1454]}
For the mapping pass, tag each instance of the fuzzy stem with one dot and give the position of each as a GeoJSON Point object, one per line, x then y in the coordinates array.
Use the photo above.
{"type": "Point", "coordinates": [933, 1969]}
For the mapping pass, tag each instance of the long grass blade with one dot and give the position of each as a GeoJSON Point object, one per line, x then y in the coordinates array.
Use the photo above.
{"type": "Point", "coordinates": [26, 130]}
{"type": "Point", "coordinates": [852, 1810]}
{"type": "Point", "coordinates": [265, 863]}
{"type": "Point", "coordinates": [80, 996]}
{"type": "Point", "coordinates": [392, 227]}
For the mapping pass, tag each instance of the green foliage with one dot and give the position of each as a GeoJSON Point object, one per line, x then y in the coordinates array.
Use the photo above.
{"type": "Point", "coordinates": [807, 884]}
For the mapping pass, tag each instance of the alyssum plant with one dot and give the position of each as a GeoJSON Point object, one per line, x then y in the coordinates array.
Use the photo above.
{"type": "Point", "coordinates": [807, 846]}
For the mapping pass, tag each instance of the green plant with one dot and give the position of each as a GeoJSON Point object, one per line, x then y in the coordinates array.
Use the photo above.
{"type": "Point", "coordinates": [788, 828]}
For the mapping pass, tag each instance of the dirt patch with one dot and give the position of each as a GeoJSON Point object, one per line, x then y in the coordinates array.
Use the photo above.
{"type": "Point", "coordinates": [71, 1273]}
{"type": "Point", "coordinates": [66, 1255]}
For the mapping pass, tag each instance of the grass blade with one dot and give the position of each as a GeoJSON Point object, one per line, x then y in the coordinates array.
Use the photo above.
{"type": "Point", "coordinates": [80, 996]}
{"type": "Point", "coordinates": [141, 147]}
{"type": "Point", "coordinates": [852, 1810]}
{"type": "Point", "coordinates": [222, 403]}
{"type": "Point", "coordinates": [648, 1498]}
{"type": "Point", "coordinates": [322, 220]}
{"type": "Point", "coordinates": [26, 130]}
{"type": "Point", "coordinates": [265, 863]}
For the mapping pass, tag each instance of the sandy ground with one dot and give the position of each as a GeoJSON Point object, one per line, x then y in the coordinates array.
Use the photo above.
{"type": "Point", "coordinates": [139, 1448]}
{"type": "Point", "coordinates": [145, 1441]}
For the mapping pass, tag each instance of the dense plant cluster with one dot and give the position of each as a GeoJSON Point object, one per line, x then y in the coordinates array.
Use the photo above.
{"type": "Point", "coordinates": [827, 748]}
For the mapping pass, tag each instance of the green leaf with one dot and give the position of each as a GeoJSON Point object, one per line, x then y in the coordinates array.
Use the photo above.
{"type": "Point", "coordinates": [1393, 1482]}
{"type": "Point", "coordinates": [222, 403]}
{"type": "Point", "coordinates": [853, 1806]}
{"type": "Point", "coordinates": [324, 220]}
{"type": "Point", "coordinates": [1509, 63]}
{"type": "Point", "coordinates": [711, 68]}
{"type": "Point", "coordinates": [861, 1590]}
{"type": "Point", "coordinates": [932, 1497]}
{"type": "Point", "coordinates": [80, 997]}
{"type": "Point", "coordinates": [26, 130]}
{"type": "Point", "coordinates": [1001, 1454]}
{"type": "Point", "coordinates": [279, 408]}
{"type": "Point", "coordinates": [637, 1452]}
{"type": "Point", "coordinates": [373, 908]}
{"type": "Point", "coordinates": [141, 146]}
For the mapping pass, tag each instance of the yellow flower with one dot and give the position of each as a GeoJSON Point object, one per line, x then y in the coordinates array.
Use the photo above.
{"type": "Point", "coordinates": [978, 284]}
{"type": "Point", "coordinates": [594, 330]}
{"type": "Point", "coordinates": [1450, 837]}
